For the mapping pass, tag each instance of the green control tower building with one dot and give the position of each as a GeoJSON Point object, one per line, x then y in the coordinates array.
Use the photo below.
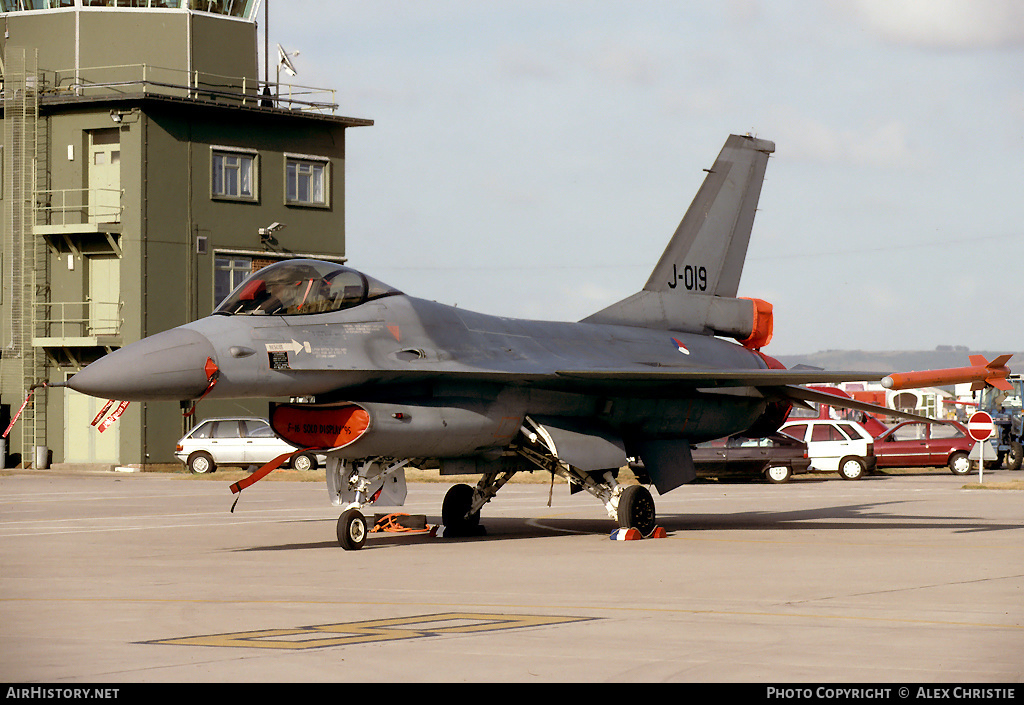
{"type": "Point", "coordinates": [146, 168]}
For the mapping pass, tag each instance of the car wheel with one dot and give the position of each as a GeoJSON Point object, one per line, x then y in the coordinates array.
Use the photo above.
{"type": "Point", "coordinates": [778, 474]}
{"type": "Point", "coordinates": [851, 468]}
{"type": "Point", "coordinates": [304, 461]}
{"type": "Point", "coordinates": [1015, 456]}
{"type": "Point", "coordinates": [959, 464]}
{"type": "Point", "coordinates": [200, 463]}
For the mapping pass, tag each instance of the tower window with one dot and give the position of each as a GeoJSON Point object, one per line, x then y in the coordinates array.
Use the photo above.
{"type": "Point", "coordinates": [233, 175]}
{"type": "Point", "coordinates": [307, 181]}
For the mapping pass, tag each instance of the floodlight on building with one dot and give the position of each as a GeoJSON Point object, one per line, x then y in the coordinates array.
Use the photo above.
{"type": "Point", "coordinates": [267, 233]}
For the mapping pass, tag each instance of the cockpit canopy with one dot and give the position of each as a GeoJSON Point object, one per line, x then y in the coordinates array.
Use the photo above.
{"type": "Point", "coordinates": [302, 286]}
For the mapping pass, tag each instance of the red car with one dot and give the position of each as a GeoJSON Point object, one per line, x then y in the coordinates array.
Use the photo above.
{"type": "Point", "coordinates": [914, 444]}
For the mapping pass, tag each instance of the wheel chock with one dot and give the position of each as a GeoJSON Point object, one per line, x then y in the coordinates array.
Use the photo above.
{"type": "Point", "coordinates": [626, 535]}
{"type": "Point", "coordinates": [634, 535]}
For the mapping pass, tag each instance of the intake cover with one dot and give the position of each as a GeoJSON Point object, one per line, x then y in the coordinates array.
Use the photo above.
{"type": "Point", "coordinates": [310, 426]}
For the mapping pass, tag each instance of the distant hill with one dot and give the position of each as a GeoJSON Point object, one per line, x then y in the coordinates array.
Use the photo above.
{"type": "Point", "coordinates": [896, 360]}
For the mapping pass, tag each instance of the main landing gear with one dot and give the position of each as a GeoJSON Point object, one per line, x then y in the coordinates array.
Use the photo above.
{"type": "Point", "coordinates": [355, 484]}
{"type": "Point", "coordinates": [632, 506]}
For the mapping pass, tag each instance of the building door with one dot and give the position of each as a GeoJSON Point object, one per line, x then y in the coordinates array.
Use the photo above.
{"type": "Point", "coordinates": [104, 287]}
{"type": "Point", "coordinates": [82, 442]}
{"type": "Point", "coordinates": [104, 167]}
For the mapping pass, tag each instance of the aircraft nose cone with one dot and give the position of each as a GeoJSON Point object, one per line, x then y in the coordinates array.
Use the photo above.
{"type": "Point", "coordinates": [169, 365]}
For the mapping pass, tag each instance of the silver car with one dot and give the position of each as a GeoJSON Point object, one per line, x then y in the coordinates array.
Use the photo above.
{"type": "Point", "coordinates": [236, 441]}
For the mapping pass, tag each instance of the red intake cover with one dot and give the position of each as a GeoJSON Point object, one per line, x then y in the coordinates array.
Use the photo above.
{"type": "Point", "coordinates": [309, 426]}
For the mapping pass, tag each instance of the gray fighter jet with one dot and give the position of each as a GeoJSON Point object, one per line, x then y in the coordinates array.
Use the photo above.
{"type": "Point", "coordinates": [392, 380]}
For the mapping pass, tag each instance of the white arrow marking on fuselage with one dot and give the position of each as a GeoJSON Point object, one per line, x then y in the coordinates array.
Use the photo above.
{"type": "Point", "coordinates": [294, 346]}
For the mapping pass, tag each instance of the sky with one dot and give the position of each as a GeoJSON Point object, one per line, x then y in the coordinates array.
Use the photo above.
{"type": "Point", "coordinates": [532, 158]}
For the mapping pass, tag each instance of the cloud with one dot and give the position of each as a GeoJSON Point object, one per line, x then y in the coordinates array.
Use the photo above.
{"type": "Point", "coordinates": [945, 24]}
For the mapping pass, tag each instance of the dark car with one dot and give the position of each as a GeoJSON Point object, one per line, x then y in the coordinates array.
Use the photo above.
{"type": "Point", "coordinates": [778, 457]}
{"type": "Point", "coordinates": [916, 444]}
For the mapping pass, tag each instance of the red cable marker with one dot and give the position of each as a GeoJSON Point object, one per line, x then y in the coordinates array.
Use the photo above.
{"type": "Point", "coordinates": [114, 416]}
{"type": "Point", "coordinates": [237, 487]}
{"type": "Point", "coordinates": [103, 411]}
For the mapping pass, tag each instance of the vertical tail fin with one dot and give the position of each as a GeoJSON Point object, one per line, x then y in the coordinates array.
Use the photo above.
{"type": "Point", "coordinates": [694, 284]}
{"type": "Point", "coordinates": [713, 235]}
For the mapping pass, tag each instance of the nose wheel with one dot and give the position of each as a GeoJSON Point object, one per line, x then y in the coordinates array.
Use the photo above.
{"type": "Point", "coordinates": [352, 530]}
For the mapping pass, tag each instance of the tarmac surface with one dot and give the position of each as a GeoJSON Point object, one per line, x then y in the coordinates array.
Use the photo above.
{"type": "Point", "coordinates": [137, 578]}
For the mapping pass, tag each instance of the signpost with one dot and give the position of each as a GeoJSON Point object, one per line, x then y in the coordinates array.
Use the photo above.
{"type": "Point", "coordinates": [980, 428]}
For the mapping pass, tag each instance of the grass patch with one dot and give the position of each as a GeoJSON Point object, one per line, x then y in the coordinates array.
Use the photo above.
{"type": "Point", "coordinates": [1007, 485]}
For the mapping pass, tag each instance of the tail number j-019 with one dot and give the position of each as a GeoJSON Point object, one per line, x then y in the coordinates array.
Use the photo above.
{"type": "Point", "coordinates": [693, 278]}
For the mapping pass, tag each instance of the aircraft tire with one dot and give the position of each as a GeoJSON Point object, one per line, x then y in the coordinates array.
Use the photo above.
{"type": "Point", "coordinates": [304, 461]}
{"type": "Point", "coordinates": [636, 509]}
{"type": "Point", "coordinates": [851, 468]}
{"type": "Point", "coordinates": [778, 474]}
{"type": "Point", "coordinates": [201, 463]}
{"type": "Point", "coordinates": [959, 464]}
{"type": "Point", "coordinates": [457, 502]}
{"type": "Point", "coordinates": [352, 530]}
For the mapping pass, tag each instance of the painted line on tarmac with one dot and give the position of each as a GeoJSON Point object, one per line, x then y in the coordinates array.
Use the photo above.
{"type": "Point", "coordinates": [319, 636]}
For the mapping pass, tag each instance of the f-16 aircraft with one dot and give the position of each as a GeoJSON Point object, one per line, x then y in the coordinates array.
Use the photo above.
{"type": "Point", "coordinates": [391, 380]}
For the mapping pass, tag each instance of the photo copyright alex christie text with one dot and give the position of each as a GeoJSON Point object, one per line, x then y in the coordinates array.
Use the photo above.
{"type": "Point", "coordinates": [903, 692]}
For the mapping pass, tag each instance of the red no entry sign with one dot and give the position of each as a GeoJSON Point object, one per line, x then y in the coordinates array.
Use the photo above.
{"type": "Point", "coordinates": [980, 426]}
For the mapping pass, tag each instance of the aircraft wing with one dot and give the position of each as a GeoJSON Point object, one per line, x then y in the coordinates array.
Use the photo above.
{"type": "Point", "coordinates": [720, 378]}
{"type": "Point", "coordinates": [772, 383]}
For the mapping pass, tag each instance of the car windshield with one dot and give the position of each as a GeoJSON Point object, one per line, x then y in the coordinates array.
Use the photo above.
{"type": "Point", "coordinates": [302, 286]}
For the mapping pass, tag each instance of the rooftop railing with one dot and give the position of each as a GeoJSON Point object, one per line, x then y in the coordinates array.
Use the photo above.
{"type": "Point", "coordinates": [146, 79]}
{"type": "Point", "coordinates": [233, 8]}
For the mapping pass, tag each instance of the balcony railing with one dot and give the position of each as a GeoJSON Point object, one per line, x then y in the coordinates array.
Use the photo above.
{"type": "Point", "coordinates": [68, 320]}
{"type": "Point", "coordinates": [75, 206]}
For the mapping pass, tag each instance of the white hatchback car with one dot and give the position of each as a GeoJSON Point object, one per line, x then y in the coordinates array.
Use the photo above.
{"type": "Point", "coordinates": [835, 446]}
{"type": "Point", "coordinates": [236, 441]}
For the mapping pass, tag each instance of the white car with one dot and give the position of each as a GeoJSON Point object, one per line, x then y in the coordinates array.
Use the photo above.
{"type": "Point", "coordinates": [236, 441]}
{"type": "Point", "coordinates": [835, 446]}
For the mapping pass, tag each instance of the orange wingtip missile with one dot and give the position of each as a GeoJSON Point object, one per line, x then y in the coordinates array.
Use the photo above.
{"type": "Point", "coordinates": [981, 373]}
